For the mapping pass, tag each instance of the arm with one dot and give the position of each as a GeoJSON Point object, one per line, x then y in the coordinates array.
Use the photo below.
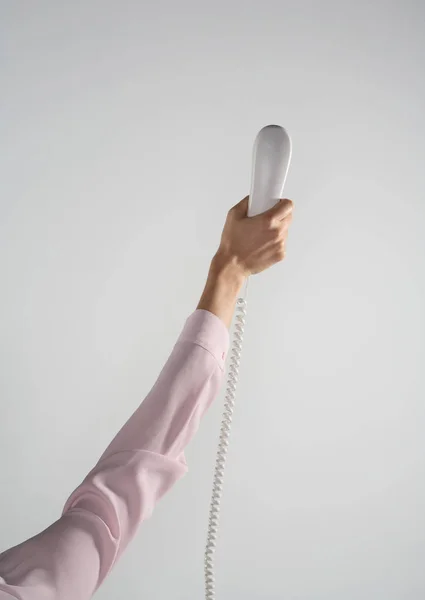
{"type": "Point", "coordinates": [70, 559]}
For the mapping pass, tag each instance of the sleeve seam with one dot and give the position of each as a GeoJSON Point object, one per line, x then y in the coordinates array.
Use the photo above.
{"type": "Point", "coordinates": [138, 451]}
{"type": "Point", "coordinates": [196, 343]}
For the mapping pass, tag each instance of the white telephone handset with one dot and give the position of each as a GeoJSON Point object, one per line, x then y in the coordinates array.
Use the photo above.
{"type": "Point", "coordinates": [270, 164]}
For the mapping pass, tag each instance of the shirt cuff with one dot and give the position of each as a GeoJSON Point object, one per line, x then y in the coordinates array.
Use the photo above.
{"type": "Point", "coordinates": [204, 328]}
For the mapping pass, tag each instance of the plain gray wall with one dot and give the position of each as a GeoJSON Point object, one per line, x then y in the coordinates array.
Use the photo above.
{"type": "Point", "coordinates": [126, 134]}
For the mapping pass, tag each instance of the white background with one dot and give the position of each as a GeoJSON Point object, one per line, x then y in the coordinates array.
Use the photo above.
{"type": "Point", "coordinates": [126, 134]}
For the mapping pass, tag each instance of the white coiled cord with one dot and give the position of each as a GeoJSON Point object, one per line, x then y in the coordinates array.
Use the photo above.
{"type": "Point", "coordinates": [220, 463]}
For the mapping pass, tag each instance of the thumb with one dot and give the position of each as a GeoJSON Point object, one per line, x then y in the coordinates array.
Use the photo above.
{"type": "Point", "coordinates": [280, 210]}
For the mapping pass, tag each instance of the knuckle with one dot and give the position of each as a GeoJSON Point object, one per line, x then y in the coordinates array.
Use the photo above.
{"type": "Point", "coordinates": [281, 251]}
{"type": "Point", "coordinates": [269, 222]}
{"type": "Point", "coordinates": [278, 235]}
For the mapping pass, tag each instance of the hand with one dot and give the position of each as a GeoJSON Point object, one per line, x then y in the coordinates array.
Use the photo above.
{"type": "Point", "coordinates": [253, 244]}
{"type": "Point", "coordinates": [248, 245]}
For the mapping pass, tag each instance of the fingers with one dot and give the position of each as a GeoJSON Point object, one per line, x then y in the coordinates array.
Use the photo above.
{"type": "Point", "coordinates": [277, 230]}
{"type": "Point", "coordinates": [276, 252]}
{"type": "Point", "coordinates": [279, 211]}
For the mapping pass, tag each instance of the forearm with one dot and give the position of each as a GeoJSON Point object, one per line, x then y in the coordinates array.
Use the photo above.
{"type": "Point", "coordinates": [225, 279]}
{"type": "Point", "coordinates": [169, 415]}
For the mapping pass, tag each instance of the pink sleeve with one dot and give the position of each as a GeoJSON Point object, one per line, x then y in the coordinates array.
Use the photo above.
{"type": "Point", "coordinates": [70, 559]}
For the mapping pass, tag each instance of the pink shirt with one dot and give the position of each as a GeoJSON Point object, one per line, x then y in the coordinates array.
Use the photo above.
{"type": "Point", "coordinates": [70, 559]}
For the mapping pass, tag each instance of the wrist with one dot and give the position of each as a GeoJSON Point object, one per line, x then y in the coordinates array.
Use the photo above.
{"type": "Point", "coordinates": [227, 268]}
{"type": "Point", "coordinates": [225, 279]}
